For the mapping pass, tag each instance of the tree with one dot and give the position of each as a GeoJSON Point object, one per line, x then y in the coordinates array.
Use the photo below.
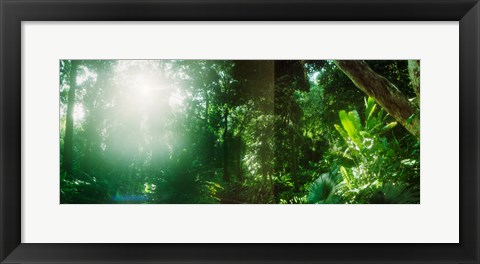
{"type": "Point", "coordinates": [68, 139]}
{"type": "Point", "coordinates": [290, 76]}
{"type": "Point", "coordinates": [414, 73]}
{"type": "Point", "coordinates": [384, 92]}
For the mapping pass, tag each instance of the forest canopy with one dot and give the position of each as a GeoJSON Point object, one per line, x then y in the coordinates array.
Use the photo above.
{"type": "Point", "coordinates": [239, 131]}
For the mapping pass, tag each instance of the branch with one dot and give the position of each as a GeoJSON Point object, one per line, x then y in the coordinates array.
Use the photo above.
{"type": "Point", "coordinates": [385, 93]}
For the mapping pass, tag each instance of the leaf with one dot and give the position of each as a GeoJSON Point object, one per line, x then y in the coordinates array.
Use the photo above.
{"type": "Point", "coordinates": [389, 126]}
{"type": "Point", "coordinates": [357, 123]}
{"type": "Point", "coordinates": [365, 134]}
{"type": "Point", "coordinates": [346, 175]}
{"type": "Point", "coordinates": [322, 190]}
{"type": "Point", "coordinates": [409, 162]}
{"type": "Point", "coordinates": [370, 124]}
{"type": "Point", "coordinates": [380, 115]}
{"type": "Point", "coordinates": [370, 108]}
{"type": "Point", "coordinates": [342, 132]}
{"type": "Point", "coordinates": [349, 126]}
{"type": "Point", "coordinates": [410, 119]}
{"type": "Point", "coordinates": [347, 123]}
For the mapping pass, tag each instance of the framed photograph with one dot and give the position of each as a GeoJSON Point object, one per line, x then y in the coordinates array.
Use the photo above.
{"type": "Point", "coordinates": [239, 131]}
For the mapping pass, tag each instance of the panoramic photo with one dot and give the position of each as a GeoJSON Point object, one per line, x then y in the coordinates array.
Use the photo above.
{"type": "Point", "coordinates": [239, 131]}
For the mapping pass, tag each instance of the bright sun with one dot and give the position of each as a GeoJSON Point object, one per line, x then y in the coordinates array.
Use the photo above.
{"type": "Point", "coordinates": [149, 89]}
{"type": "Point", "coordinates": [145, 86]}
{"type": "Point", "coordinates": [78, 113]}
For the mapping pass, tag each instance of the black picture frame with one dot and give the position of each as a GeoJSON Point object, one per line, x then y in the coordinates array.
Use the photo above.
{"type": "Point", "coordinates": [13, 12]}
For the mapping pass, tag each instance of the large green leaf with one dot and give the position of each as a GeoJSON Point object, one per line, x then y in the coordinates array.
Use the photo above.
{"type": "Point", "coordinates": [342, 132]}
{"type": "Point", "coordinates": [355, 118]}
{"type": "Point", "coordinates": [370, 107]}
{"type": "Point", "coordinates": [322, 190]}
{"type": "Point", "coordinates": [349, 126]}
{"type": "Point", "coordinates": [347, 176]}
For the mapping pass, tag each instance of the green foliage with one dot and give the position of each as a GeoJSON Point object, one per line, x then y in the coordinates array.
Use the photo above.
{"type": "Point", "coordinates": [295, 200]}
{"type": "Point", "coordinates": [211, 192]}
{"type": "Point", "coordinates": [376, 167]}
{"type": "Point", "coordinates": [323, 189]}
{"type": "Point", "coordinates": [223, 131]}
{"type": "Point", "coordinates": [84, 189]}
{"type": "Point", "coordinates": [396, 194]}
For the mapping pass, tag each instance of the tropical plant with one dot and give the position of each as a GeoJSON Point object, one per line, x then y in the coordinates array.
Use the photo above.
{"type": "Point", "coordinates": [396, 194]}
{"type": "Point", "coordinates": [375, 164]}
{"type": "Point", "coordinates": [323, 189]}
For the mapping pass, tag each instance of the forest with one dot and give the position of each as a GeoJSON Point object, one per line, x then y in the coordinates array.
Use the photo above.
{"type": "Point", "coordinates": [239, 131]}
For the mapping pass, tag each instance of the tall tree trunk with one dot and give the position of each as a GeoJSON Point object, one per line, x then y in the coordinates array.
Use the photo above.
{"type": "Point", "coordinates": [237, 157]}
{"type": "Point", "coordinates": [68, 138]}
{"type": "Point", "coordinates": [208, 141]}
{"type": "Point", "coordinates": [385, 93]}
{"type": "Point", "coordinates": [293, 158]}
{"type": "Point", "coordinates": [414, 73]}
{"type": "Point", "coordinates": [226, 169]}
{"type": "Point", "coordinates": [207, 104]}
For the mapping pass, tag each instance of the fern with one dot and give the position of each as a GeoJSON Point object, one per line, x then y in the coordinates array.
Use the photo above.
{"type": "Point", "coordinates": [323, 189]}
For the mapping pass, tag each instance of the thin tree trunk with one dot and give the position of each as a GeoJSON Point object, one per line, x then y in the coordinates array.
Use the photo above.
{"type": "Point", "coordinates": [208, 146]}
{"type": "Point", "coordinates": [414, 73]}
{"type": "Point", "coordinates": [293, 159]}
{"type": "Point", "coordinates": [385, 93]}
{"type": "Point", "coordinates": [207, 104]}
{"type": "Point", "coordinates": [226, 169]}
{"type": "Point", "coordinates": [68, 138]}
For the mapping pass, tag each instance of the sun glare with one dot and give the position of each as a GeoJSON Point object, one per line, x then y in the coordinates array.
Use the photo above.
{"type": "Point", "coordinates": [78, 113]}
{"type": "Point", "coordinates": [148, 89]}
{"type": "Point", "coordinates": [176, 100]}
{"type": "Point", "coordinates": [145, 86]}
